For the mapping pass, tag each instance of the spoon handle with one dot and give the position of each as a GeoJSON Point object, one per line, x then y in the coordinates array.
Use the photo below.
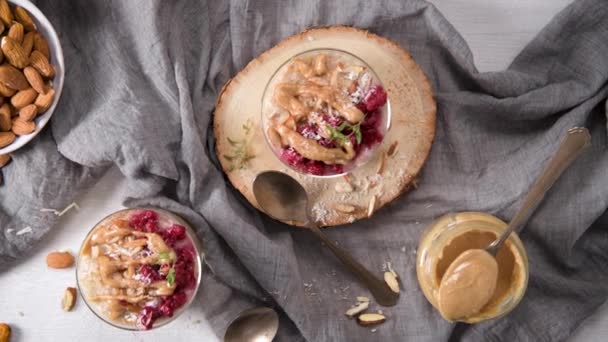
{"type": "Point", "coordinates": [577, 139]}
{"type": "Point", "coordinates": [382, 293]}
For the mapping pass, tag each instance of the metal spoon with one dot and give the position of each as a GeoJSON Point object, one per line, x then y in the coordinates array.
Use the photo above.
{"type": "Point", "coordinates": [283, 198]}
{"type": "Point", "coordinates": [577, 139]}
{"type": "Point", "coordinates": [253, 325]}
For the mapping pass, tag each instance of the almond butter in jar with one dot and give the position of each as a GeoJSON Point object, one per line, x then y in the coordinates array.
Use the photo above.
{"type": "Point", "coordinates": [451, 235]}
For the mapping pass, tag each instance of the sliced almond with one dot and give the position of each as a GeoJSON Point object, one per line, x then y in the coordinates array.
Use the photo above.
{"type": "Point", "coordinates": [362, 299]}
{"type": "Point", "coordinates": [357, 309]}
{"type": "Point", "coordinates": [391, 281]}
{"type": "Point", "coordinates": [389, 266]}
{"type": "Point", "coordinates": [341, 207]}
{"type": "Point", "coordinates": [69, 299]}
{"type": "Point", "coordinates": [381, 162]}
{"type": "Point", "coordinates": [392, 149]}
{"type": "Point", "coordinates": [368, 319]}
{"type": "Point", "coordinates": [372, 206]}
{"type": "Point", "coordinates": [343, 187]}
{"type": "Point", "coordinates": [59, 260]}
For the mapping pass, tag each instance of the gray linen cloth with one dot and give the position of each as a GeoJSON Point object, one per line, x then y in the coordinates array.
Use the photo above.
{"type": "Point", "coordinates": [142, 77]}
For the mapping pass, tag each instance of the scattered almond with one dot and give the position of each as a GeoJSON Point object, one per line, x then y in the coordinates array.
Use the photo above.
{"type": "Point", "coordinates": [14, 53]}
{"type": "Point", "coordinates": [343, 187]}
{"type": "Point", "coordinates": [372, 206]}
{"type": "Point", "coordinates": [341, 207]}
{"type": "Point", "coordinates": [33, 77]}
{"type": "Point", "coordinates": [23, 98]}
{"type": "Point", "coordinates": [5, 13]}
{"type": "Point", "coordinates": [4, 159]}
{"type": "Point", "coordinates": [368, 319]}
{"type": "Point", "coordinates": [28, 113]}
{"type": "Point", "coordinates": [41, 63]}
{"type": "Point", "coordinates": [392, 149]}
{"type": "Point", "coordinates": [24, 18]}
{"type": "Point", "coordinates": [5, 332]}
{"type": "Point", "coordinates": [41, 45]}
{"type": "Point", "coordinates": [16, 33]}
{"type": "Point", "coordinates": [59, 260]}
{"type": "Point", "coordinates": [391, 281]}
{"type": "Point", "coordinates": [13, 78]}
{"type": "Point", "coordinates": [357, 309]}
{"type": "Point", "coordinates": [6, 138]}
{"type": "Point", "coordinates": [69, 299]}
{"type": "Point", "coordinates": [44, 101]}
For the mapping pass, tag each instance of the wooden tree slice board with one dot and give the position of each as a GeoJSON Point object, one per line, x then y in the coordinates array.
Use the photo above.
{"type": "Point", "coordinates": [243, 151]}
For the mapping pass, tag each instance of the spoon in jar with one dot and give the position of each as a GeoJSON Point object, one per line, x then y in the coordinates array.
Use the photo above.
{"type": "Point", "coordinates": [253, 325]}
{"type": "Point", "coordinates": [283, 198]}
{"type": "Point", "coordinates": [475, 271]}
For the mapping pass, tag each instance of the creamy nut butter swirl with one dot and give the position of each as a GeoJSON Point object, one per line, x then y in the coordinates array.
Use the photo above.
{"type": "Point", "coordinates": [467, 285]}
{"type": "Point", "coordinates": [460, 278]}
{"type": "Point", "coordinates": [137, 267]}
{"type": "Point", "coordinates": [324, 111]}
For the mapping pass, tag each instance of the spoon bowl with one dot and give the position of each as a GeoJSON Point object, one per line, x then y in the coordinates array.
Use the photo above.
{"type": "Point", "coordinates": [253, 325]}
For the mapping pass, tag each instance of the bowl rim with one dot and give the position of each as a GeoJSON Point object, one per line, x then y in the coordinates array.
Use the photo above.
{"type": "Point", "coordinates": [190, 232]}
{"type": "Point", "coordinates": [387, 106]}
{"type": "Point", "coordinates": [58, 80]}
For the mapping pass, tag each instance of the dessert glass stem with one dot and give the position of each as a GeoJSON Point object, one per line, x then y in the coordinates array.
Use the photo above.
{"type": "Point", "coordinates": [577, 139]}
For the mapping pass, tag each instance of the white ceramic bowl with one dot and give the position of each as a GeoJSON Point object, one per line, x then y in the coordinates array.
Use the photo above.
{"type": "Point", "coordinates": [47, 30]}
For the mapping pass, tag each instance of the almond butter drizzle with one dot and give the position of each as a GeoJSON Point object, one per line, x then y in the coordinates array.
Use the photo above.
{"type": "Point", "coordinates": [117, 253]}
{"type": "Point", "coordinates": [318, 88]}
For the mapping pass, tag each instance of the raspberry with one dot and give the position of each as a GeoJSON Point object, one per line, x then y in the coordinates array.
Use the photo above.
{"type": "Point", "coordinates": [292, 157]}
{"type": "Point", "coordinates": [148, 274]}
{"type": "Point", "coordinates": [333, 121]}
{"type": "Point", "coordinates": [173, 234]}
{"type": "Point", "coordinates": [307, 131]}
{"type": "Point", "coordinates": [374, 98]}
{"type": "Point", "coordinates": [145, 221]}
{"type": "Point", "coordinates": [146, 318]}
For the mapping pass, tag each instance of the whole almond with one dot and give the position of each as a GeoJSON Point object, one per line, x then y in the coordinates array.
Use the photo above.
{"type": "Point", "coordinates": [22, 16]}
{"type": "Point", "coordinates": [41, 45]}
{"type": "Point", "coordinates": [12, 77]}
{"type": "Point", "coordinates": [24, 98]}
{"type": "Point", "coordinates": [41, 63]}
{"type": "Point", "coordinates": [5, 118]}
{"type": "Point", "coordinates": [4, 159]}
{"type": "Point", "coordinates": [21, 127]}
{"type": "Point", "coordinates": [16, 33]}
{"type": "Point", "coordinates": [69, 299]}
{"type": "Point", "coordinates": [5, 331]}
{"type": "Point", "coordinates": [14, 53]}
{"type": "Point", "coordinates": [5, 13]}
{"type": "Point", "coordinates": [33, 77]}
{"type": "Point", "coordinates": [29, 112]}
{"type": "Point", "coordinates": [6, 138]}
{"type": "Point", "coordinates": [44, 101]}
{"type": "Point", "coordinates": [59, 260]}
{"type": "Point", "coordinates": [28, 43]}
{"type": "Point", "coordinates": [6, 91]}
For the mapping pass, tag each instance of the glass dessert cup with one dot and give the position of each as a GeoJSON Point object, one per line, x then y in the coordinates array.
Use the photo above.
{"type": "Point", "coordinates": [450, 235]}
{"type": "Point", "coordinates": [161, 277]}
{"type": "Point", "coordinates": [325, 112]}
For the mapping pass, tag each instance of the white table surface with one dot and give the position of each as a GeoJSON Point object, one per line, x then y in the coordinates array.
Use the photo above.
{"type": "Point", "coordinates": [30, 292]}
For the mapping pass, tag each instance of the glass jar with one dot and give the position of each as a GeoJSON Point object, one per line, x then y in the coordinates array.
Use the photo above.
{"type": "Point", "coordinates": [450, 235]}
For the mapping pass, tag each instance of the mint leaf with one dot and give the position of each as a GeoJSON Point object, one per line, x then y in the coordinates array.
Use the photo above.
{"type": "Point", "coordinates": [343, 125]}
{"type": "Point", "coordinates": [171, 277]}
{"type": "Point", "coordinates": [358, 135]}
